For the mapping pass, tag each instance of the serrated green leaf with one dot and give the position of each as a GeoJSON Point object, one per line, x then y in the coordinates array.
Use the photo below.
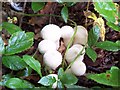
{"type": "Point", "coordinates": [18, 83]}
{"type": "Point", "coordinates": [4, 79]}
{"type": "Point", "coordinates": [93, 35]}
{"type": "Point", "coordinates": [108, 45]}
{"type": "Point", "coordinates": [13, 62]}
{"type": "Point", "coordinates": [110, 78]}
{"type": "Point", "coordinates": [91, 54]}
{"type": "Point", "coordinates": [64, 13]}
{"type": "Point", "coordinates": [2, 48]}
{"type": "Point", "coordinates": [19, 42]}
{"type": "Point", "coordinates": [11, 28]}
{"type": "Point", "coordinates": [36, 6]}
{"type": "Point", "coordinates": [113, 26]}
{"type": "Point", "coordinates": [34, 64]}
{"type": "Point", "coordinates": [106, 9]}
{"type": "Point", "coordinates": [47, 80]}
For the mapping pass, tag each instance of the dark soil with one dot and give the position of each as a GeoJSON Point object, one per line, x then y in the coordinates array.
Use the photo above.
{"type": "Point", "coordinates": [105, 59]}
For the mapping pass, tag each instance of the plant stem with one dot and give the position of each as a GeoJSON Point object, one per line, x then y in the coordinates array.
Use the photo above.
{"type": "Point", "coordinates": [70, 42]}
{"type": "Point", "coordinates": [80, 53]}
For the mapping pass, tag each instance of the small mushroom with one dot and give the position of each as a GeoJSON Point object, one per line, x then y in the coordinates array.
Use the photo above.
{"type": "Point", "coordinates": [78, 68]}
{"type": "Point", "coordinates": [46, 45]}
{"type": "Point", "coordinates": [73, 52]}
{"type": "Point", "coordinates": [51, 32]}
{"type": "Point", "coordinates": [52, 59]}
{"type": "Point", "coordinates": [66, 33]}
{"type": "Point", "coordinates": [56, 77]}
{"type": "Point", "coordinates": [81, 36]}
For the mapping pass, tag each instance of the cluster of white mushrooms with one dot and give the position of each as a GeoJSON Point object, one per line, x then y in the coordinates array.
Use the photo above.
{"type": "Point", "coordinates": [51, 35]}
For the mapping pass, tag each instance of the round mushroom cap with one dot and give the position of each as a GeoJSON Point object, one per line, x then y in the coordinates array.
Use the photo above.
{"type": "Point", "coordinates": [73, 52]}
{"type": "Point", "coordinates": [52, 59]}
{"type": "Point", "coordinates": [66, 33]}
{"type": "Point", "coordinates": [81, 36]}
{"type": "Point", "coordinates": [51, 32]}
{"type": "Point", "coordinates": [46, 45]}
{"type": "Point", "coordinates": [78, 68]}
{"type": "Point", "coordinates": [56, 77]}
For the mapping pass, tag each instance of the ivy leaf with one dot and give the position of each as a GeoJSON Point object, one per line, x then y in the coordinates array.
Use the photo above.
{"type": "Point", "coordinates": [18, 83]}
{"type": "Point", "coordinates": [1, 46]}
{"type": "Point", "coordinates": [113, 26]}
{"type": "Point", "coordinates": [11, 28]}
{"type": "Point", "coordinates": [36, 6]}
{"type": "Point", "coordinates": [47, 80]}
{"type": "Point", "coordinates": [93, 35]}
{"type": "Point", "coordinates": [108, 45]}
{"type": "Point", "coordinates": [64, 13]}
{"type": "Point", "coordinates": [13, 62]}
{"type": "Point", "coordinates": [19, 42]}
{"type": "Point", "coordinates": [91, 54]}
{"type": "Point", "coordinates": [34, 64]}
{"type": "Point", "coordinates": [110, 78]}
{"type": "Point", "coordinates": [106, 9]}
{"type": "Point", "coordinates": [66, 78]}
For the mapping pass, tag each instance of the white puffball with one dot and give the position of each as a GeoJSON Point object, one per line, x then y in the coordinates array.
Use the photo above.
{"type": "Point", "coordinates": [73, 52]}
{"type": "Point", "coordinates": [52, 59]}
{"type": "Point", "coordinates": [66, 33]}
{"type": "Point", "coordinates": [46, 45]}
{"type": "Point", "coordinates": [81, 36]}
{"type": "Point", "coordinates": [51, 32]}
{"type": "Point", "coordinates": [78, 68]}
{"type": "Point", "coordinates": [56, 77]}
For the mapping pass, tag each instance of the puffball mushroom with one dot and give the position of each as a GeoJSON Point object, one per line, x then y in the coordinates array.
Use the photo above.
{"type": "Point", "coordinates": [52, 59]}
{"type": "Point", "coordinates": [46, 45]}
{"type": "Point", "coordinates": [51, 32]}
{"type": "Point", "coordinates": [66, 33]}
{"type": "Point", "coordinates": [81, 36]}
{"type": "Point", "coordinates": [73, 52]}
{"type": "Point", "coordinates": [56, 77]}
{"type": "Point", "coordinates": [78, 68]}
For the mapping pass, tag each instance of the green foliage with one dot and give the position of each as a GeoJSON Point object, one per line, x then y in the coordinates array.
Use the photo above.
{"type": "Point", "coordinates": [113, 26]}
{"type": "Point", "coordinates": [66, 78]}
{"type": "Point", "coordinates": [110, 78]}
{"type": "Point", "coordinates": [108, 45]}
{"type": "Point", "coordinates": [1, 46]}
{"type": "Point", "coordinates": [47, 80]}
{"type": "Point", "coordinates": [34, 64]}
{"type": "Point", "coordinates": [36, 6]}
{"type": "Point", "coordinates": [93, 35]}
{"type": "Point", "coordinates": [11, 28]}
{"type": "Point", "coordinates": [91, 54]}
{"type": "Point", "coordinates": [75, 87]}
{"type": "Point", "coordinates": [18, 83]}
{"type": "Point", "coordinates": [13, 62]}
{"type": "Point", "coordinates": [19, 42]}
{"type": "Point", "coordinates": [64, 13]}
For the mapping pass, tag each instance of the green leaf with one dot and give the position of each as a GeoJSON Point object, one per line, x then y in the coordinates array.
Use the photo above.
{"type": "Point", "coordinates": [60, 73]}
{"type": "Point", "coordinates": [13, 62]}
{"type": "Point", "coordinates": [93, 35]}
{"type": "Point", "coordinates": [47, 80]}
{"type": "Point", "coordinates": [0, 27]}
{"type": "Point", "coordinates": [113, 26]}
{"type": "Point", "coordinates": [18, 83]}
{"type": "Point", "coordinates": [106, 9]}
{"type": "Point", "coordinates": [75, 86]}
{"type": "Point", "coordinates": [5, 78]}
{"type": "Point", "coordinates": [59, 84]}
{"type": "Point", "coordinates": [36, 6]}
{"type": "Point", "coordinates": [2, 48]}
{"type": "Point", "coordinates": [19, 42]}
{"type": "Point", "coordinates": [11, 28]}
{"type": "Point", "coordinates": [91, 54]}
{"type": "Point", "coordinates": [34, 64]}
{"type": "Point", "coordinates": [64, 13]}
{"type": "Point", "coordinates": [108, 45]}
{"type": "Point", "coordinates": [110, 78]}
